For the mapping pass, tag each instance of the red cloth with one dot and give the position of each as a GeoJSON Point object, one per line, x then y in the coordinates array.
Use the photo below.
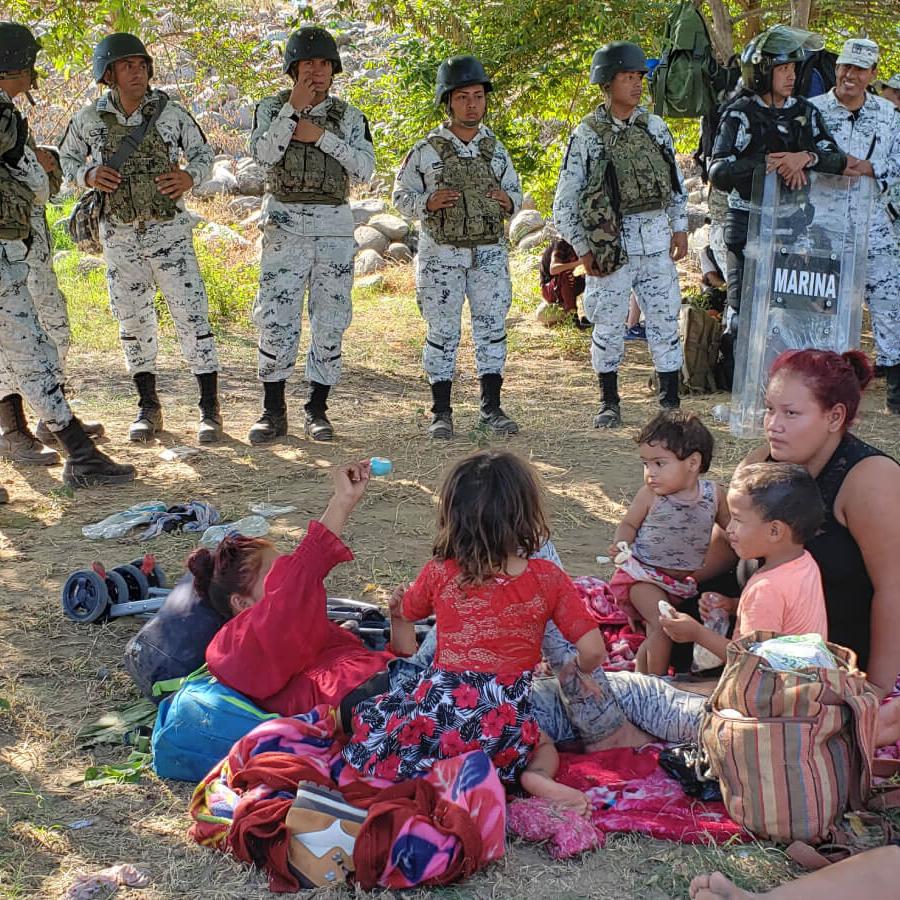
{"type": "Point", "coordinates": [283, 653]}
{"type": "Point", "coordinates": [630, 792]}
{"type": "Point", "coordinates": [497, 626]}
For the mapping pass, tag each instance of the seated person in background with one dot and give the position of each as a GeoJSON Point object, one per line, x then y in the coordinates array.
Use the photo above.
{"type": "Point", "coordinates": [668, 527]}
{"type": "Point", "coordinates": [775, 509]}
{"type": "Point", "coordinates": [559, 283]}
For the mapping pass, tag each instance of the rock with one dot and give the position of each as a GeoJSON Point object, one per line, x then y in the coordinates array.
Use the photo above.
{"type": "Point", "coordinates": [370, 281]}
{"type": "Point", "coordinates": [244, 205]}
{"type": "Point", "coordinates": [532, 241]}
{"type": "Point", "coordinates": [213, 231]}
{"type": "Point", "coordinates": [696, 197]}
{"type": "Point", "coordinates": [368, 262]}
{"type": "Point", "coordinates": [693, 184]}
{"type": "Point", "coordinates": [549, 313]}
{"type": "Point", "coordinates": [88, 264]}
{"type": "Point", "coordinates": [252, 219]}
{"type": "Point", "coordinates": [392, 227]}
{"type": "Point", "coordinates": [251, 178]}
{"type": "Point", "coordinates": [523, 223]}
{"type": "Point", "coordinates": [222, 180]}
{"type": "Point", "coordinates": [370, 239]}
{"type": "Point", "coordinates": [528, 201]}
{"type": "Point", "coordinates": [696, 217]}
{"type": "Point", "coordinates": [363, 210]}
{"type": "Point", "coordinates": [61, 256]}
{"type": "Point", "coordinates": [399, 253]}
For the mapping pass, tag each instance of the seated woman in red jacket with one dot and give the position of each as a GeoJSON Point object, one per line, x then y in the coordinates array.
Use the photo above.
{"type": "Point", "coordinates": [278, 646]}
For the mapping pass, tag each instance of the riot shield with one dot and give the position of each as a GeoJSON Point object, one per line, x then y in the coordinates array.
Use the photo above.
{"type": "Point", "coordinates": [804, 279]}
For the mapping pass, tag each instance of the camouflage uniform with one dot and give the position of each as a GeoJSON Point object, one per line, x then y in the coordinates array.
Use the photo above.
{"type": "Point", "coordinates": [306, 245]}
{"type": "Point", "coordinates": [646, 237]}
{"type": "Point", "coordinates": [30, 361]}
{"type": "Point", "coordinates": [148, 252]}
{"type": "Point", "coordinates": [445, 273]}
{"type": "Point", "coordinates": [873, 133]}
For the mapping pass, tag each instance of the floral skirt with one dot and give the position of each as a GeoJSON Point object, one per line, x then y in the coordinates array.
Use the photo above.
{"type": "Point", "coordinates": [400, 734]}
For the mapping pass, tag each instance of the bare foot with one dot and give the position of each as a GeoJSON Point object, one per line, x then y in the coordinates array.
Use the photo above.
{"type": "Point", "coordinates": [539, 785]}
{"type": "Point", "coordinates": [717, 887]}
{"type": "Point", "coordinates": [627, 735]}
{"type": "Point", "coordinates": [887, 729]}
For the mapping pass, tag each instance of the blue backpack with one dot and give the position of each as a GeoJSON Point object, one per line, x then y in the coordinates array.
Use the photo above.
{"type": "Point", "coordinates": [198, 724]}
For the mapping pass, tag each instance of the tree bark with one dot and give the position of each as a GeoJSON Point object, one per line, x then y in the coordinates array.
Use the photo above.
{"type": "Point", "coordinates": [800, 10]}
{"type": "Point", "coordinates": [722, 32]}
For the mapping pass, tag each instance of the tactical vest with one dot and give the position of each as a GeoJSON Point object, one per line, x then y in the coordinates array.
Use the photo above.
{"type": "Point", "coordinates": [475, 219]}
{"type": "Point", "coordinates": [306, 174]}
{"type": "Point", "coordinates": [16, 205]}
{"type": "Point", "coordinates": [777, 130]}
{"type": "Point", "coordinates": [137, 196]}
{"type": "Point", "coordinates": [644, 168]}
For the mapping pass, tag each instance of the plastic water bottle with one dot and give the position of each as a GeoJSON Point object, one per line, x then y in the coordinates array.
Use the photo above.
{"type": "Point", "coordinates": [379, 466]}
{"type": "Point", "coordinates": [249, 526]}
{"type": "Point", "coordinates": [721, 412]}
{"type": "Point", "coordinates": [704, 659]}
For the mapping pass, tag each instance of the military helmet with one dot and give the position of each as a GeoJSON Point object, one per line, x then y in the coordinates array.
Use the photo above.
{"type": "Point", "coordinates": [312, 42]}
{"type": "Point", "coordinates": [619, 56]}
{"type": "Point", "coordinates": [457, 72]}
{"type": "Point", "coordinates": [777, 46]}
{"type": "Point", "coordinates": [118, 46]}
{"type": "Point", "coordinates": [18, 47]}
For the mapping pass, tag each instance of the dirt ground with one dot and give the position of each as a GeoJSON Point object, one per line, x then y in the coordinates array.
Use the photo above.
{"type": "Point", "coordinates": [56, 676]}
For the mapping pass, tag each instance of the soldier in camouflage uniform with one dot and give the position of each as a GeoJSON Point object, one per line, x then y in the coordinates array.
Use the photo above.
{"type": "Point", "coordinates": [867, 129]}
{"type": "Point", "coordinates": [26, 351]}
{"type": "Point", "coordinates": [890, 90]}
{"type": "Point", "coordinates": [460, 183]}
{"type": "Point", "coordinates": [653, 207]}
{"type": "Point", "coordinates": [313, 145]}
{"type": "Point", "coordinates": [144, 229]}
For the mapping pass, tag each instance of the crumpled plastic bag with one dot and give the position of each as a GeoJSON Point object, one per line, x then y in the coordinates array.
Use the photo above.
{"type": "Point", "coordinates": [794, 652]}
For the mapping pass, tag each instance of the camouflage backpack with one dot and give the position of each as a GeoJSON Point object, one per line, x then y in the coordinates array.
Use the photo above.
{"type": "Point", "coordinates": [598, 209]}
{"type": "Point", "coordinates": [476, 219]}
{"type": "Point", "coordinates": [700, 335]}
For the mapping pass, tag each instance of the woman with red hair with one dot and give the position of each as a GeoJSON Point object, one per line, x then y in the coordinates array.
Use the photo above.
{"type": "Point", "coordinates": [812, 401]}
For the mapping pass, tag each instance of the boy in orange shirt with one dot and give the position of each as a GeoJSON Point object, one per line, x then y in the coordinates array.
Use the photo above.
{"type": "Point", "coordinates": [775, 509]}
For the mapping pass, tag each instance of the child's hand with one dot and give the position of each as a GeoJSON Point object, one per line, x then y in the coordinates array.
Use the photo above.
{"type": "Point", "coordinates": [682, 629]}
{"type": "Point", "coordinates": [395, 604]}
{"type": "Point", "coordinates": [710, 600]}
{"type": "Point", "coordinates": [350, 482]}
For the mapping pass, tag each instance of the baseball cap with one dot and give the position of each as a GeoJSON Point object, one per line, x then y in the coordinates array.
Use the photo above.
{"type": "Point", "coordinates": [859, 52]}
{"type": "Point", "coordinates": [892, 82]}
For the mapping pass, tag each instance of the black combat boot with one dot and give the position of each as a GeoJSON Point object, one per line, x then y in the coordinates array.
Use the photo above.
{"type": "Point", "coordinates": [149, 418]}
{"type": "Point", "coordinates": [273, 422]}
{"type": "Point", "coordinates": [317, 425]}
{"type": "Point", "coordinates": [610, 414]}
{"type": "Point", "coordinates": [85, 464]}
{"type": "Point", "coordinates": [210, 428]}
{"type": "Point", "coordinates": [492, 414]}
{"type": "Point", "coordinates": [668, 389]}
{"type": "Point", "coordinates": [17, 443]}
{"type": "Point", "coordinates": [441, 427]}
{"type": "Point", "coordinates": [892, 385]}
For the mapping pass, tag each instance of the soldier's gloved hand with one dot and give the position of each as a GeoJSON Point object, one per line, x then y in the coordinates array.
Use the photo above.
{"type": "Point", "coordinates": [174, 184]}
{"type": "Point", "coordinates": [13, 134]}
{"type": "Point", "coordinates": [590, 264]}
{"type": "Point", "coordinates": [103, 178]}
{"type": "Point", "coordinates": [678, 246]}
{"type": "Point", "coordinates": [443, 198]}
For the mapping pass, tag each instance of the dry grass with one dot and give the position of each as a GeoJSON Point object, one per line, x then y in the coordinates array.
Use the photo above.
{"type": "Point", "coordinates": [56, 675]}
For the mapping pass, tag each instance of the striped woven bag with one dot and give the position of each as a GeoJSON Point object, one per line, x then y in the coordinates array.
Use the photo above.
{"type": "Point", "coordinates": [792, 750]}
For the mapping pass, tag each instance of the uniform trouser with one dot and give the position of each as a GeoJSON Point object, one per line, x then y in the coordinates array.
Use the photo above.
{"type": "Point", "coordinates": [44, 287]}
{"type": "Point", "coordinates": [883, 297]}
{"type": "Point", "coordinates": [141, 257]}
{"type": "Point", "coordinates": [290, 264]}
{"type": "Point", "coordinates": [655, 282]}
{"type": "Point", "coordinates": [736, 225]}
{"type": "Point", "coordinates": [28, 354]}
{"type": "Point", "coordinates": [442, 286]}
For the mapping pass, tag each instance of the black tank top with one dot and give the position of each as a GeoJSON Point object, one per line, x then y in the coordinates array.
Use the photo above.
{"type": "Point", "coordinates": [848, 588]}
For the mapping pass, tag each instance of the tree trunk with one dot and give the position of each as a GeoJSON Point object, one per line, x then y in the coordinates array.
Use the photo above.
{"type": "Point", "coordinates": [721, 32]}
{"type": "Point", "coordinates": [800, 10]}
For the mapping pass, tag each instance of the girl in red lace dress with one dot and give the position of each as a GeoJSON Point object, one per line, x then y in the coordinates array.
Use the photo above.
{"type": "Point", "coordinates": [492, 604]}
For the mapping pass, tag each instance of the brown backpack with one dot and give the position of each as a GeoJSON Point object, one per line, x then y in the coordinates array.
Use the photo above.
{"type": "Point", "coordinates": [792, 750]}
